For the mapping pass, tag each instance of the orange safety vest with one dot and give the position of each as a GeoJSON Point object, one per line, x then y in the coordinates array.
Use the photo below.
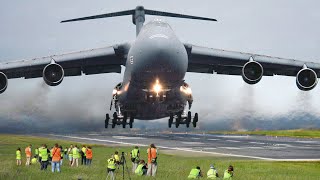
{"type": "Point", "coordinates": [56, 154]}
{"type": "Point", "coordinates": [89, 154]}
{"type": "Point", "coordinates": [152, 154]}
{"type": "Point", "coordinates": [28, 151]}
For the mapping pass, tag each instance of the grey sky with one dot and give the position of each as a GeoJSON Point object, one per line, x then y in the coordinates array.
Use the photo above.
{"type": "Point", "coordinates": [285, 28]}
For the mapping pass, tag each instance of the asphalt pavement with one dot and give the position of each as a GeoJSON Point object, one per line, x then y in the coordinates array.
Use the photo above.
{"type": "Point", "coordinates": [245, 146]}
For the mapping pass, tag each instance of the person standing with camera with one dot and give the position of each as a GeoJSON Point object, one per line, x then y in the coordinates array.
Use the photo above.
{"type": "Point", "coordinates": [152, 160]}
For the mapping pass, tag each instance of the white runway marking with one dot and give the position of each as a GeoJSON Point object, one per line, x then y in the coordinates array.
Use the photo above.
{"type": "Point", "coordinates": [209, 148]}
{"type": "Point", "coordinates": [197, 143]}
{"type": "Point", "coordinates": [195, 138]}
{"type": "Point", "coordinates": [226, 136]}
{"type": "Point", "coordinates": [311, 142]}
{"type": "Point", "coordinates": [257, 143]}
{"type": "Point", "coordinates": [254, 147]}
{"type": "Point", "coordinates": [232, 141]}
{"type": "Point", "coordinates": [213, 139]}
{"type": "Point", "coordinates": [93, 134]}
{"type": "Point", "coordinates": [188, 150]}
{"type": "Point", "coordinates": [126, 137]}
{"type": "Point", "coordinates": [231, 148]}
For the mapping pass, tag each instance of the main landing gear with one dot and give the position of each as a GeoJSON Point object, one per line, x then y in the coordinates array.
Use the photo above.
{"type": "Point", "coordinates": [119, 119]}
{"type": "Point", "coordinates": [183, 119]}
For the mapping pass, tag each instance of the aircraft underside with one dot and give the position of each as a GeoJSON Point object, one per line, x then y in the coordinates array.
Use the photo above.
{"type": "Point", "coordinates": [144, 104]}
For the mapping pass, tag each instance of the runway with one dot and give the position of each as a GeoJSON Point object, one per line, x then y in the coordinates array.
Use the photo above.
{"type": "Point", "coordinates": [255, 147]}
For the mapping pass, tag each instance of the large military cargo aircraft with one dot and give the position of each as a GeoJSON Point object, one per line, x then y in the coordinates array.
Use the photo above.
{"type": "Point", "coordinates": [156, 62]}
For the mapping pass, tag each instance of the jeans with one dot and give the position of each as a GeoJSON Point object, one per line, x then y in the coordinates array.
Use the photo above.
{"type": "Point", "coordinates": [44, 165]}
{"type": "Point", "coordinates": [55, 165]}
{"type": "Point", "coordinates": [83, 160]}
{"type": "Point", "coordinates": [88, 162]}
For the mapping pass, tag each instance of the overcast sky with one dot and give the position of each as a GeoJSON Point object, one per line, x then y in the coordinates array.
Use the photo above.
{"type": "Point", "coordinates": [283, 28]}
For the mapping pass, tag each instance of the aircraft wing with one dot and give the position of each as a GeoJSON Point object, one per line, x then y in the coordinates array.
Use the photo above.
{"type": "Point", "coordinates": [93, 61]}
{"type": "Point", "coordinates": [208, 60]}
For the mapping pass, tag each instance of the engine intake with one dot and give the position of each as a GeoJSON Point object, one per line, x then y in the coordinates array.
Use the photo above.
{"type": "Point", "coordinates": [252, 72]}
{"type": "Point", "coordinates": [306, 79]}
{"type": "Point", "coordinates": [3, 82]}
{"type": "Point", "coordinates": [53, 74]}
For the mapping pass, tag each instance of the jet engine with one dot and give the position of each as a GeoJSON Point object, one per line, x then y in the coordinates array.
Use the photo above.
{"type": "Point", "coordinates": [3, 82]}
{"type": "Point", "coordinates": [252, 72]}
{"type": "Point", "coordinates": [306, 79]}
{"type": "Point", "coordinates": [53, 74]}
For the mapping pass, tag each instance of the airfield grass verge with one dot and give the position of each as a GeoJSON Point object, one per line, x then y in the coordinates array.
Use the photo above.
{"type": "Point", "coordinates": [170, 166]}
{"type": "Point", "coordinates": [301, 133]}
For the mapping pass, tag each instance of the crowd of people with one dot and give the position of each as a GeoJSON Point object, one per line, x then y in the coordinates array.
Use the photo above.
{"type": "Point", "coordinates": [55, 155]}
{"type": "Point", "coordinates": [139, 166]}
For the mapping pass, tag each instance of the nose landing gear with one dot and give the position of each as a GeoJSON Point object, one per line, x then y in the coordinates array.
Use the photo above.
{"type": "Point", "coordinates": [183, 119]}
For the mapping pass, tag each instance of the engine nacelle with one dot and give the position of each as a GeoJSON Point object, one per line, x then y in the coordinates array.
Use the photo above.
{"type": "Point", "coordinates": [252, 72]}
{"type": "Point", "coordinates": [3, 82]}
{"type": "Point", "coordinates": [306, 79]}
{"type": "Point", "coordinates": [53, 74]}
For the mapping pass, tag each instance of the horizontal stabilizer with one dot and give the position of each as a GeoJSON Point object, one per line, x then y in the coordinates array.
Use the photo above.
{"type": "Point", "coordinates": [168, 14]}
{"type": "Point", "coordinates": [120, 13]}
{"type": "Point", "coordinates": [139, 10]}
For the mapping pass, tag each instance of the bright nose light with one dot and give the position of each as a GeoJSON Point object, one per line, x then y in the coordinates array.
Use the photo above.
{"type": "Point", "coordinates": [157, 87]}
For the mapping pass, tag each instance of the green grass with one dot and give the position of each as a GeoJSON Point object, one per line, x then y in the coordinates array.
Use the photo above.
{"type": "Point", "coordinates": [304, 133]}
{"type": "Point", "coordinates": [170, 166]}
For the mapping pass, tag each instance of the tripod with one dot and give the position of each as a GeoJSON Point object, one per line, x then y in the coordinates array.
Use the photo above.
{"type": "Point", "coordinates": [123, 162]}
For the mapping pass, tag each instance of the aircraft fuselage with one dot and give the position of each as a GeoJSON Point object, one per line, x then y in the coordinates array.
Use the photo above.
{"type": "Point", "coordinates": [155, 57]}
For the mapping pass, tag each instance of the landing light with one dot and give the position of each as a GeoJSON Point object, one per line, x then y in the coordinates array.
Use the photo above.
{"type": "Point", "coordinates": [157, 87]}
{"type": "Point", "coordinates": [114, 92]}
{"type": "Point", "coordinates": [186, 90]}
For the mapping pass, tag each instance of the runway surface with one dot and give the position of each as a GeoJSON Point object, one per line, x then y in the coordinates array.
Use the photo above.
{"type": "Point", "coordinates": [256, 147]}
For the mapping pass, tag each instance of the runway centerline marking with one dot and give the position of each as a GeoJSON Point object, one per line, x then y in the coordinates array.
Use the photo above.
{"type": "Point", "coordinates": [213, 139]}
{"type": "Point", "coordinates": [187, 150]}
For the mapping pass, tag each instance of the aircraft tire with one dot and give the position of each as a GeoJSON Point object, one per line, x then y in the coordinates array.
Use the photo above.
{"type": "Point", "coordinates": [178, 120]}
{"type": "Point", "coordinates": [188, 119]}
{"type": "Point", "coordinates": [106, 122]}
{"type": "Point", "coordinates": [195, 120]}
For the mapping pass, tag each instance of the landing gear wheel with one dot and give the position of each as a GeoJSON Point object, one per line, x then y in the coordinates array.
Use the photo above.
{"type": "Point", "coordinates": [106, 122]}
{"type": "Point", "coordinates": [131, 121]}
{"type": "Point", "coordinates": [170, 120]}
{"type": "Point", "coordinates": [188, 119]}
{"type": "Point", "coordinates": [195, 120]}
{"type": "Point", "coordinates": [178, 120]}
{"type": "Point", "coordinates": [114, 120]}
{"type": "Point", "coordinates": [124, 120]}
